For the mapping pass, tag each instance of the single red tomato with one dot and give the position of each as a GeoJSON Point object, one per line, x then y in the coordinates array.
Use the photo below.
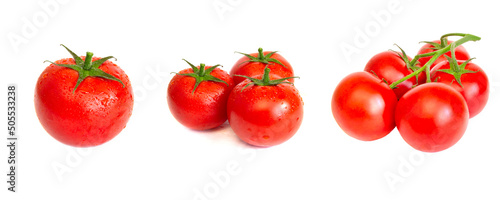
{"type": "Point", "coordinates": [364, 106]}
{"type": "Point", "coordinates": [460, 53]}
{"type": "Point", "coordinates": [253, 65]}
{"type": "Point", "coordinates": [265, 112]}
{"type": "Point", "coordinates": [83, 101]}
{"type": "Point", "coordinates": [432, 117]}
{"type": "Point", "coordinates": [197, 96]}
{"type": "Point", "coordinates": [472, 83]}
{"type": "Point", "coordinates": [390, 66]}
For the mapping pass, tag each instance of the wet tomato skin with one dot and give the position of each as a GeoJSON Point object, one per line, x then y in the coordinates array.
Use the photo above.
{"type": "Point", "coordinates": [95, 113]}
{"type": "Point", "coordinates": [252, 69]}
{"type": "Point", "coordinates": [265, 116]}
{"type": "Point", "coordinates": [203, 109]}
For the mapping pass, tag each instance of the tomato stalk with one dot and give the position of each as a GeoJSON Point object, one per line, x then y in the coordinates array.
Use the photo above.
{"type": "Point", "coordinates": [201, 74]}
{"type": "Point", "coordinates": [415, 60]}
{"type": "Point", "coordinates": [266, 81]}
{"type": "Point", "coordinates": [444, 41]}
{"type": "Point", "coordinates": [435, 55]}
{"type": "Point", "coordinates": [456, 70]}
{"type": "Point", "coordinates": [87, 68]}
{"type": "Point", "coordinates": [88, 60]}
{"type": "Point", "coordinates": [437, 46]}
{"type": "Point", "coordinates": [444, 38]}
{"type": "Point", "coordinates": [261, 58]}
{"type": "Point", "coordinates": [202, 69]}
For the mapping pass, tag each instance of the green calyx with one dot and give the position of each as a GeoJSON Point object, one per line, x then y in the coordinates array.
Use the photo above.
{"type": "Point", "coordinates": [265, 81]}
{"type": "Point", "coordinates": [87, 68]}
{"type": "Point", "coordinates": [437, 46]}
{"type": "Point", "coordinates": [202, 74]}
{"type": "Point", "coordinates": [409, 65]}
{"type": "Point", "coordinates": [456, 70]}
{"type": "Point", "coordinates": [261, 58]}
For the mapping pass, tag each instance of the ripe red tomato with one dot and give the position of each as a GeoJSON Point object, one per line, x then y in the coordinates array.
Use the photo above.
{"type": "Point", "coordinates": [253, 65]}
{"type": "Point", "coordinates": [83, 111]}
{"type": "Point", "coordinates": [474, 86]}
{"type": "Point", "coordinates": [197, 96]}
{"type": "Point", "coordinates": [364, 106]}
{"type": "Point", "coordinates": [389, 66]}
{"type": "Point", "coordinates": [265, 115]}
{"type": "Point", "coordinates": [460, 53]}
{"type": "Point", "coordinates": [432, 117]}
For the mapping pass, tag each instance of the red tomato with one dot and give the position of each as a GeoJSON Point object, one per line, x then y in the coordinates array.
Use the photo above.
{"type": "Point", "coordinates": [252, 65]}
{"type": "Point", "coordinates": [204, 106]}
{"type": "Point", "coordinates": [364, 106]}
{"type": "Point", "coordinates": [390, 67]}
{"type": "Point", "coordinates": [432, 117]}
{"type": "Point", "coordinates": [474, 86]}
{"type": "Point", "coordinates": [86, 113]}
{"type": "Point", "coordinates": [460, 54]}
{"type": "Point", "coordinates": [265, 115]}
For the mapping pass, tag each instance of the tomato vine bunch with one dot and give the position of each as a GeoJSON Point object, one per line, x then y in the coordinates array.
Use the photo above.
{"type": "Point", "coordinates": [258, 98]}
{"type": "Point", "coordinates": [429, 98]}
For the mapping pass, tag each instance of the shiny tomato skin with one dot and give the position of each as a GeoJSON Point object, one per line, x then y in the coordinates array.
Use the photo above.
{"type": "Point", "coordinates": [364, 106]}
{"type": "Point", "coordinates": [252, 69]}
{"type": "Point", "coordinates": [475, 88]}
{"type": "Point", "coordinates": [432, 117]}
{"type": "Point", "coordinates": [206, 107]}
{"type": "Point", "coordinates": [460, 54]}
{"type": "Point", "coordinates": [95, 113]}
{"type": "Point", "coordinates": [265, 116]}
{"type": "Point", "coordinates": [390, 67]}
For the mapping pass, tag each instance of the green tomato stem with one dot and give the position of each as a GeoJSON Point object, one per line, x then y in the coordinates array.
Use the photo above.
{"type": "Point", "coordinates": [444, 40]}
{"type": "Point", "coordinates": [426, 67]}
{"type": "Point", "coordinates": [87, 68]}
{"type": "Point", "coordinates": [202, 74]}
{"type": "Point", "coordinates": [265, 81]}
{"type": "Point", "coordinates": [415, 60]}
{"type": "Point", "coordinates": [266, 78]}
{"type": "Point", "coordinates": [202, 70]}
{"type": "Point", "coordinates": [88, 61]}
{"type": "Point", "coordinates": [261, 54]}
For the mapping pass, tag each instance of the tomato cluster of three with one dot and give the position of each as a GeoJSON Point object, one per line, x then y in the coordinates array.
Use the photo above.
{"type": "Point", "coordinates": [257, 97]}
{"type": "Point", "coordinates": [396, 91]}
{"type": "Point", "coordinates": [85, 101]}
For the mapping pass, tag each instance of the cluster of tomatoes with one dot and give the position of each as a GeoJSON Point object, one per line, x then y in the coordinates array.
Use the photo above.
{"type": "Point", "coordinates": [257, 97]}
{"type": "Point", "coordinates": [85, 101]}
{"type": "Point", "coordinates": [429, 99]}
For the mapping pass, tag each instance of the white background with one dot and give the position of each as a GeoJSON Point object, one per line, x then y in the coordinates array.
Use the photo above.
{"type": "Point", "coordinates": [155, 157]}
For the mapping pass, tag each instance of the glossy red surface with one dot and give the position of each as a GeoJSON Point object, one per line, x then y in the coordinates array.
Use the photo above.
{"type": "Point", "coordinates": [265, 115]}
{"type": "Point", "coordinates": [94, 114]}
{"type": "Point", "coordinates": [206, 107]}
{"type": "Point", "coordinates": [364, 106]}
